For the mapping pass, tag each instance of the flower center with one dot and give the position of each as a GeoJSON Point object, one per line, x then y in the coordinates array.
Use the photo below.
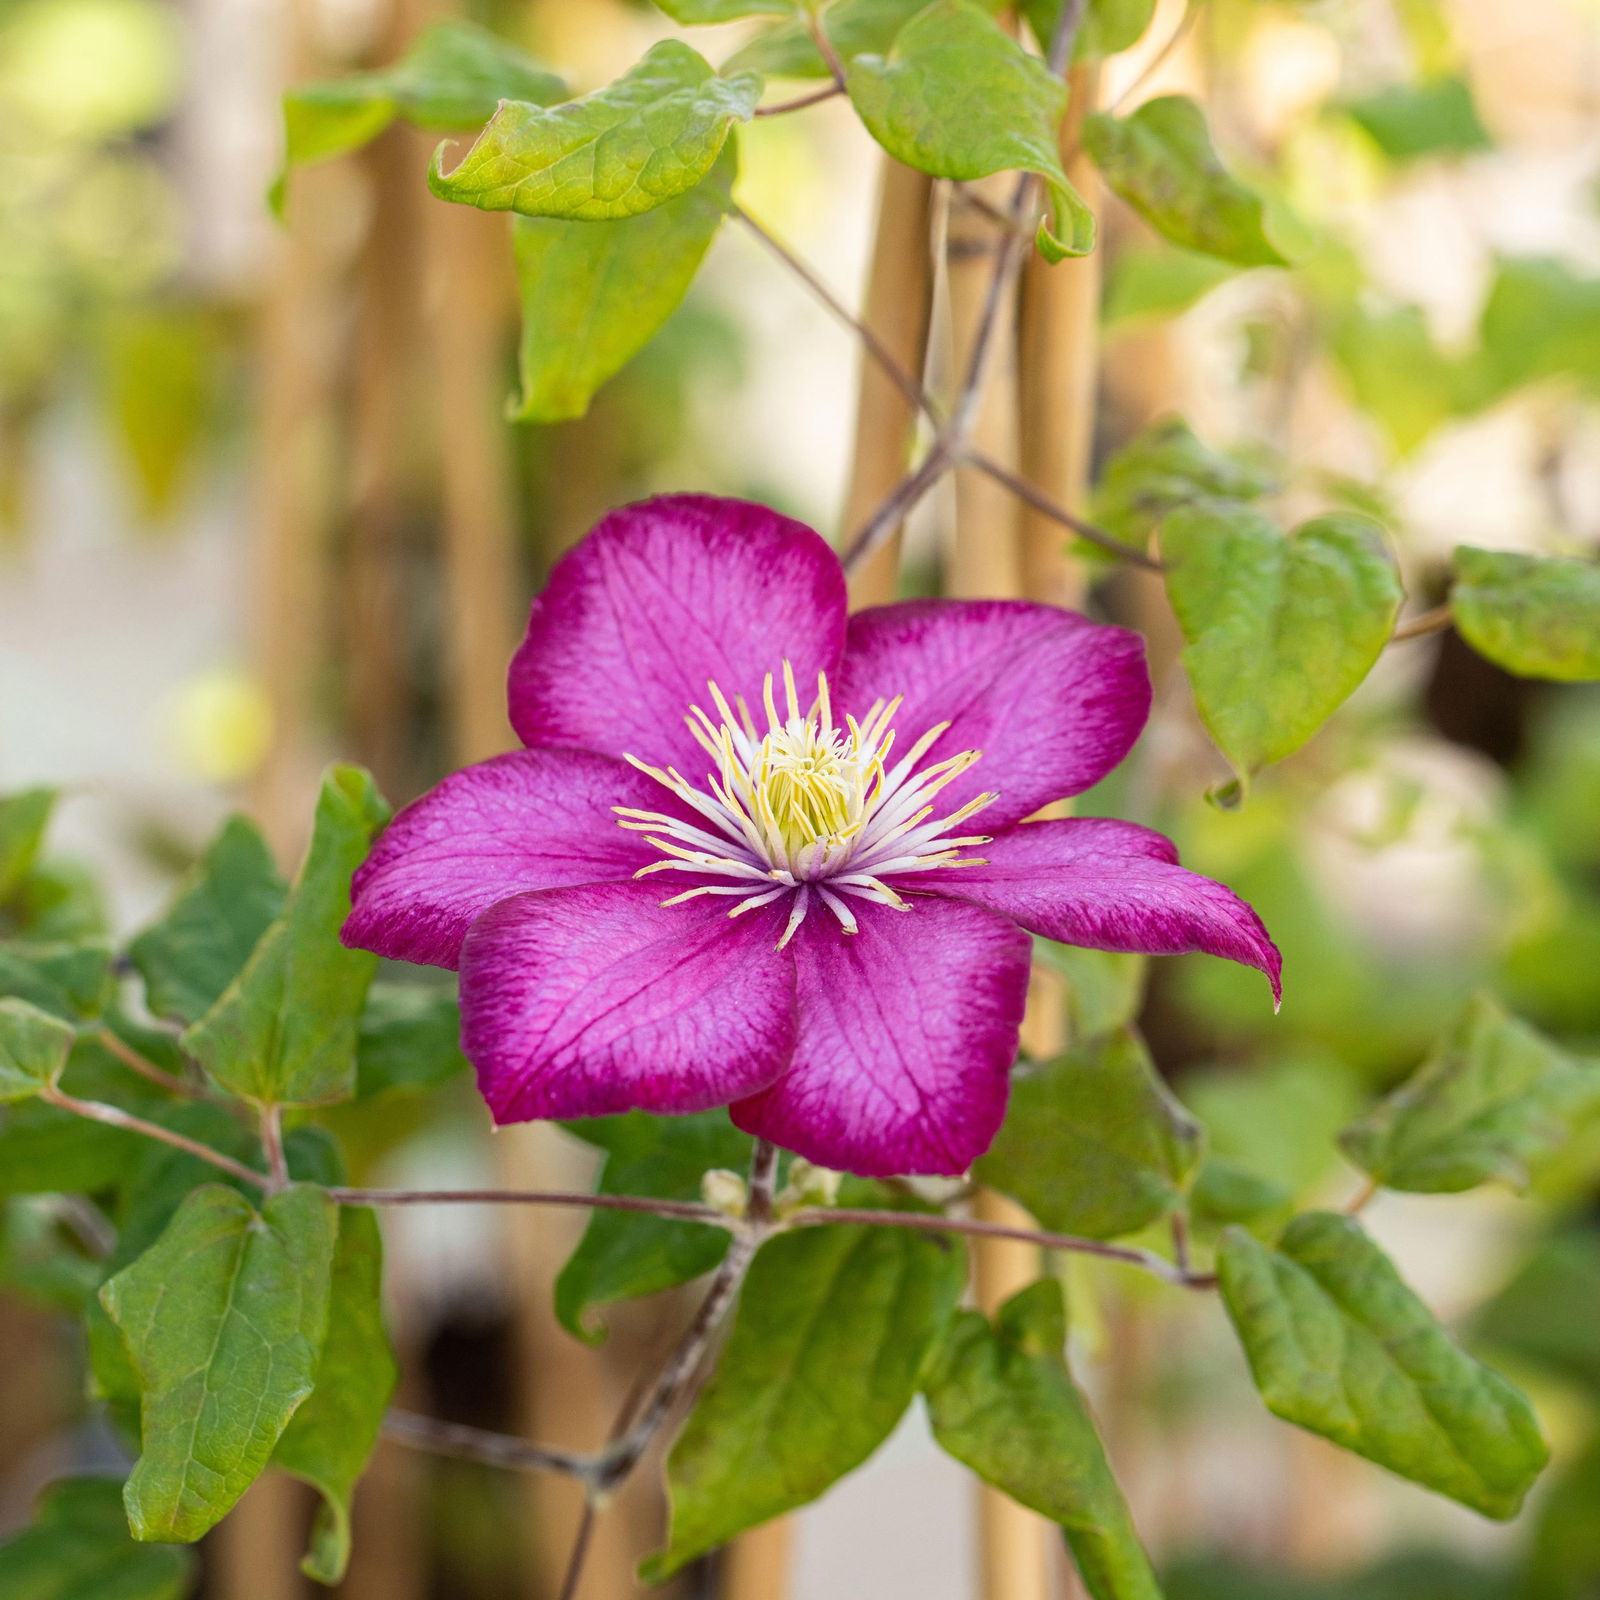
{"type": "Point", "coordinates": [806, 808]}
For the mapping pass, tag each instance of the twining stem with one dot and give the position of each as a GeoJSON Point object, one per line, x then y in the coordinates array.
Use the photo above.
{"type": "Point", "coordinates": [1434, 621]}
{"type": "Point", "coordinates": [819, 37]}
{"type": "Point", "coordinates": [478, 1444]}
{"type": "Point", "coordinates": [143, 1065]}
{"type": "Point", "coordinates": [801, 101]}
{"type": "Point", "coordinates": [116, 1117]}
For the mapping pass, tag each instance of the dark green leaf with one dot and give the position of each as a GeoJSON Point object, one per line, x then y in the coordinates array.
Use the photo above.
{"type": "Point", "coordinates": [1536, 616]}
{"type": "Point", "coordinates": [78, 1549]}
{"type": "Point", "coordinates": [221, 909]}
{"type": "Point", "coordinates": [285, 1029]}
{"type": "Point", "coordinates": [1003, 1403]}
{"type": "Point", "coordinates": [1164, 468]}
{"type": "Point", "coordinates": [33, 1049]}
{"type": "Point", "coordinates": [1161, 161]}
{"type": "Point", "coordinates": [593, 293]}
{"type": "Point", "coordinates": [624, 1254]}
{"type": "Point", "coordinates": [1340, 1346]}
{"type": "Point", "coordinates": [70, 980]}
{"type": "Point", "coordinates": [44, 1149]}
{"type": "Point", "coordinates": [1407, 121]}
{"type": "Point", "coordinates": [1492, 1097]}
{"type": "Point", "coordinates": [224, 1319]}
{"type": "Point", "coordinates": [1225, 1194]}
{"type": "Point", "coordinates": [24, 816]}
{"type": "Point", "coordinates": [58, 902]}
{"type": "Point", "coordinates": [1094, 1143]}
{"type": "Point", "coordinates": [410, 1038]}
{"type": "Point", "coordinates": [331, 1436]}
{"type": "Point", "coordinates": [1280, 630]}
{"type": "Point", "coordinates": [959, 97]}
{"type": "Point", "coordinates": [834, 1326]}
{"type": "Point", "coordinates": [1108, 26]}
{"type": "Point", "coordinates": [625, 149]}
{"type": "Point", "coordinates": [1547, 1314]}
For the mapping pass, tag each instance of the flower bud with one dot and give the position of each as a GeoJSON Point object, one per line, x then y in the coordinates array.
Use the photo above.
{"type": "Point", "coordinates": [726, 1191]}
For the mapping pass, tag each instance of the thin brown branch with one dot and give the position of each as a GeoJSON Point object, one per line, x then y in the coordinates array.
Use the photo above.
{"type": "Point", "coordinates": [142, 1064]}
{"type": "Point", "coordinates": [875, 347]}
{"type": "Point", "coordinates": [1362, 1198]}
{"type": "Point", "coordinates": [927, 1222]}
{"type": "Point", "coordinates": [801, 101]}
{"type": "Point", "coordinates": [116, 1117]}
{"type": "Point", "coordinates": [463, 1443]}
{"type": "Point", "coordinates": [830, 56]}
{"type": "Point", "coordinates": [687, 1210]}
{"type": "Point", "coordinates": [1041, 502]}
{"type": "Point", "coordinates": [580, 1550]}
{"type": "Point", "coordinates": [1434, 621]}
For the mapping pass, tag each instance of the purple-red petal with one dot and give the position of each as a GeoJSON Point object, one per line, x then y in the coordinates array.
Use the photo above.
{"type": "Point", "coordinates": [533, 819]}
{"type": "Point", "coordinates": [1053, 700]}
{"type": "Point", "coordinates": [1108, 885]}
{"type": "Point", "coordinates": [587, 1001]}
{"type": "Point", "coordinates": [908, 1030]}
{"type": "Point", "coordinates": [661, 598]}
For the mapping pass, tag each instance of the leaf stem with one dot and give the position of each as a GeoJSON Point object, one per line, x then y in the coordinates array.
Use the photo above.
{"type": "Point", "coordinates": [1434, 621]}
{"type": "Point", "coordinates": [116, 1117]}
{"type": "Point", "coordinates": [801, 101]}
{"type": "Point", "coordinates": [819, 37]}
{"type": "Point", "coordinates": [478, 1444]}
{"type": "Point", "coordinates": [272, 1143]}
{"type": "Point", "coordinates": [1362, 1198]}
{"type": "Point", "coordinates": [142, 1064]}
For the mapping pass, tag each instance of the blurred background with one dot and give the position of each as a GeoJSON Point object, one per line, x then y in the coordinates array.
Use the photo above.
{"type": "Point", "coordinates": [259, 507]}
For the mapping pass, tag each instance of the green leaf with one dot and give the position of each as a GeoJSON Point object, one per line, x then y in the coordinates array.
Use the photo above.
{"type": "Point", "coordinates": [1493, 1097]}
{"type": "Point", "coordinates": [959, 98]}
{"type": "Point", "coordinates": [624, 1254]}
{"type": "Point", "coordinates": [1108, 26]}
{"type": "Point", "coordinates": [1340, 1346]}
{"type": "Point", "coordinates": [1536, 616]}
{"type": "Point", "coordinates": [220, 911]}
{"type": "Point", "coordinates": [1003, 1403]}
{"type": "Point", "coordinates": [694, 12]}
{"type": "Point", "coordinates": [1104, 987]}
{"type": "Point", "coordinates": [330, 1438]}
{"type": "Point", "coordinates": [1094, 1143]}
{"type": "Point", "coordinates": [1396, 372]}
{"type": "Point", "coordinates": [410, 1038]}
{"type": "Point", "coordinates": [1161, 161]}
{"type": "Point", "coordinates": [1547, 1314]}
{"type": "Point", "coordinates": [284, 1031]}
{"type": "Point", "coordinates": [1409, 121]}
{"type": "Point", "coordinates": [834, 1326]}
{"type": "Point", "coordinates": [41, 1259]}
{"type": "Point", "coordinates": [24, 816]}
{"type": "Point", "coordinates": [1165, 468]}
{"type": "Point", "coordinates": [45, 1149]}
{"type": "Point", "coordinates": [623, 150]}
{"type": "Point", "coordinates": [1280, 630]}
{"type": "Point", "coordinates": [224, 1319]}
{"type": "Point", "coordinates": [854, 28]}
{"type": "Point", "coordinates": [33, 1049]}
{"type": "Point", "coordinates": [78, 1549]}
{"type": "Point", "coordinates": [594, 293]}
{"type": "Point", "coordinates": [1540, 320]}
{"type": "Point", "coordinates": [71, 980]}
{"type": "Point", "coordinates": [1153, 282]}
{"type": "Point", "coordinates": [453, 78]}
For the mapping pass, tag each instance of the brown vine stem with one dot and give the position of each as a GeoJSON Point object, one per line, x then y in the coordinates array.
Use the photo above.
{"type": "Point", "coordinates": [272, 1144]}
{"type": "Point", "coordinates": [686, 1210]}
{"type": "Point", "coordinates": [1043, 503]}
{"type": "Point", "coordinates": [801, 101]}
{"type": "Point", "coordinates": [478, 1444]}
{"type": "Point", "coordinates": [116, 1117]}
{"type": "Point", "coordinates": [875, 347]}
{"type": "Point", "coordinates": [1434, 621]}
{"type": "Point", "coordinates": [143, 1065]}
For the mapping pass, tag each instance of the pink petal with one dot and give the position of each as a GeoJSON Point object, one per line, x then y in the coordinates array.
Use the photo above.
{"type": "Point", "coordinates": [659, 599]}
{"type": "Point", "coordinates": [1108, 885]}
{"type": "Point", "coordinates": [534, 819]}
{"type": "Point", "coordinates": [1053, 700]}
{"type": "Point", "coordinates": [587, 1001]}
{"type": "Point", "coordinates": [907, 1034]}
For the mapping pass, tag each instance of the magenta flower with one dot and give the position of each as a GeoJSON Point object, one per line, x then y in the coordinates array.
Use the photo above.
{"type": "Point", "coordinates": [740, 861]}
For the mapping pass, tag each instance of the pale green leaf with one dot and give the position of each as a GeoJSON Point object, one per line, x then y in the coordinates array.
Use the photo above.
{"type": "Point", "coordinates": [1492, 1097]}
{"type": "Point", "coordinates": [593, 293]}
{"type": "Point", "coordinates": [285, 1029]}
{"type": "Point", "coordinates": [24, 816]}
{"type": "Point", "coordinates": [626, 148]}
{"type": "Point", "coordinates": [692, 13]}
{"type": "Point", "coordinates": [1107, 26]}
{"type": "Point", "coordinates": [78, 1548]}
{"type": "Point", "coordinates": [1161, 161]}
{"type": "Point", "coordinates": [958, 97]}
{"type": "Point", "coordinates": [34, 1046]}
{"type": "Point", "coordinates": [1094, 1143]}
{"type": "Point", "coordinates": [1003, 1403]}
{"type": "Point", "coordinates": [1164, 468]}
{"type": "Point", "coordinates": [1434, 118]}
{"type": "Point", "coordinates": [624, 1254]}
{"type": "Point", "coordinates": [1340, 1346]}
{"type": "Point", "coordinates": [224, 1318]}
{"type": "Point", "coordinates": [330, 1438]}
{"type": "Point", "coordinates": [834, 1326]}
{"type": "Point", "coordinates": [1546, 1316]}
{"type": "Point", "coordinates": [1536, 616]}
{"type": "Point", "coordinates": [221, 909]}
{"type": "Point", "coordinates": [1280, 630]}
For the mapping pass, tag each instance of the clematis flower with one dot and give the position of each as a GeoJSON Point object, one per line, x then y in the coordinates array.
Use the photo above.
{"type": "Point", "coordinates": [761, 854]}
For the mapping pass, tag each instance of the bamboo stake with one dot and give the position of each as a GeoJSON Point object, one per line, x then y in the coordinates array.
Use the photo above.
{"type": "Point", "coordinates": [898, 307]}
